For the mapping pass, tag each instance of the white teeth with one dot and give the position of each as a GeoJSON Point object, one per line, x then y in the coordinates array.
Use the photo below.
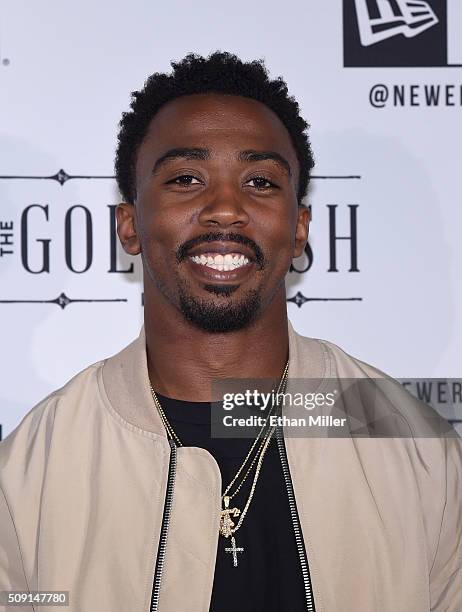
{"type": "Point", "coordinates": [222, 263]}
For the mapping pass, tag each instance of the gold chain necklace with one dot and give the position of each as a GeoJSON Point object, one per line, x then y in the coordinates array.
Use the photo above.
{"type": "Point", "coordinates": [227, 526]}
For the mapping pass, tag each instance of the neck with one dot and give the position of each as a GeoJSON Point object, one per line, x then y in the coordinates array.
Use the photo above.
{"type": "Point", "coordinates": [184, 360]}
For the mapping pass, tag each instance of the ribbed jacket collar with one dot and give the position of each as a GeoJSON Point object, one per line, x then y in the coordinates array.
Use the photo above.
{"type": "Point", "coordinates": [126, 380]}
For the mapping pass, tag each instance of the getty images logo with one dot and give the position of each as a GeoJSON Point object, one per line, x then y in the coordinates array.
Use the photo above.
{"type": "Point", "coordinates": [401, 32]}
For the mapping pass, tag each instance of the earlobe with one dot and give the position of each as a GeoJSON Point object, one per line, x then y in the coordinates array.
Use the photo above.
{"type": "Point", "coordinates": [126, 228]}
{"type": "Point", "coordinates": [301, 230]}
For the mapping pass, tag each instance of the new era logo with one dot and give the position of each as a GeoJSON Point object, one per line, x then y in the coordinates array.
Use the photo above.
{"type": "Point", "coordinates": [379, 20]}
{"type": "Point", "coordinates": [401, 33]}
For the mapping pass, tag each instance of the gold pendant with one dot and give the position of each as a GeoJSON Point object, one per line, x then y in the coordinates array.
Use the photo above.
{"type": "Point", "coordinates": [226, 523]}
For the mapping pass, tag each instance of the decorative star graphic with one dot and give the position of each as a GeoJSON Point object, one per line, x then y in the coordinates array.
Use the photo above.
{"type": "Point", "coordinates": [61, 176]}
{"type": "Point", "coordinates": [299, 299]}
{"type": "Point", "coordinates": [62, 300]}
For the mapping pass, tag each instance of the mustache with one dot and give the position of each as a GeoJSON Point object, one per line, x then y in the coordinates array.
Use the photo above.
{"type": "Point", "coordinates": [183, 250]}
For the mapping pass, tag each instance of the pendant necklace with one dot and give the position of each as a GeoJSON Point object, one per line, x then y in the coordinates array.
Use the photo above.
{"type": "Point", "coordinates": [228, 527]}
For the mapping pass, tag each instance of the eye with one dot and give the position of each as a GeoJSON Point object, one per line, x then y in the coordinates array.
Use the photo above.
{"type": "Point", "coordinates": [260, 182]}
{"type": "Point", "coordinates": [185, 180]}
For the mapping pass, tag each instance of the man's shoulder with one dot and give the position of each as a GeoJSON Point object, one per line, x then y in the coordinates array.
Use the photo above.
{"type": "Point", "coordinates": [70, 411]}
{"type": "Point", "coordinates": [373, 397]}
{"type": "Point", "coordinates": [338, 361]}
{"type": "Point", "coordinates": [36, 427]}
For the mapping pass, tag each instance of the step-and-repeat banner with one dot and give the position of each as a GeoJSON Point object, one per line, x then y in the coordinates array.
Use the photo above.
{"type": "Point", "coordinates": [380, 82]}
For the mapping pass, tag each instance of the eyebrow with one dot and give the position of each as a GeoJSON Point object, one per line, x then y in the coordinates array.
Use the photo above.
{"type": "Point", "coordinates": [181, 153]}
{"type": "Point", "coordinates": [256, 156]}
{"type": "Point", "coordinates": [196, 153]}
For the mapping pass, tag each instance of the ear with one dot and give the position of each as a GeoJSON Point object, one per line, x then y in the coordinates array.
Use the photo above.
{"type": "Point", "coordinates": [126, 228]}
{"type": "Point", "coordinates": [301, 230]}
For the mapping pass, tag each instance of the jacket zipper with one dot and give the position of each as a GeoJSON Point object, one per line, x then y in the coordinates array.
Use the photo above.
{"type": "Point", "coordinates": [295, 522]}
{"type": "Point", "coordinates": [164, 528]}
{"type": "Point", "coordinates": [293, 513]}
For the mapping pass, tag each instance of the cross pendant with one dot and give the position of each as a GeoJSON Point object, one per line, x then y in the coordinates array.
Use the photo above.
{"type": "Point", "coordinates": [234, 550]}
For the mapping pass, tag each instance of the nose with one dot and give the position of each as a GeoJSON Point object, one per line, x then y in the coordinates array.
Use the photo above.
{"type": "Point", "coordinates": [224, 208]}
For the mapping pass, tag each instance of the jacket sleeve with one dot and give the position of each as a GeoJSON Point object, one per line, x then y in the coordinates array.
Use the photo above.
{"type": "Point", "coordinates": [446, 572]}
{"type": "Point", "coordinates": [12, 576]}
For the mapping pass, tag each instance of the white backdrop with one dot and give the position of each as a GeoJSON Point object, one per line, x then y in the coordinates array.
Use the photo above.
{"type": "Point", "coordinates": [66, 72]}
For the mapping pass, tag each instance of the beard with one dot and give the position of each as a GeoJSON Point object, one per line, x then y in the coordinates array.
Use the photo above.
{"type": "Point", "coordinates": [220, 318]}
{"type": "Point", "coordinates": [213, 316]}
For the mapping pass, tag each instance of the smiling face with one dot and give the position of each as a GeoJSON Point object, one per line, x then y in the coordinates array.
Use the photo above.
{"type": "Point", "coordinates": [216, 216]}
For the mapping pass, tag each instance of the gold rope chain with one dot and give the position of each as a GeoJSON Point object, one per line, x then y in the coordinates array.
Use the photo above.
{"type": "Point", "coordinates": [227, 527]}
{"type": "Point", "coordinates": [263, 444]}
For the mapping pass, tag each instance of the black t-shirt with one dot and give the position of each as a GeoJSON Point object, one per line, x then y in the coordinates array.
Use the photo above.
{"type": "Point", "coordinates": [268, 575]}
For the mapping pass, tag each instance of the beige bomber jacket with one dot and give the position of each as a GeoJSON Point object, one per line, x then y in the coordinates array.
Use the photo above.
{"type": "Point", "coordinates": [84, 488]}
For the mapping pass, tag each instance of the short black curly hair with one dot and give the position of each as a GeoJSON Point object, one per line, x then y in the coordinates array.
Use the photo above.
{"type": "Point", "coordinates": [222, 73]}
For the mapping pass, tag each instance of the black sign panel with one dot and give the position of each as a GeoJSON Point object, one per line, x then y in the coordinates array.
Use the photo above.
{"type": "Point", "coordinates": [391, 33]}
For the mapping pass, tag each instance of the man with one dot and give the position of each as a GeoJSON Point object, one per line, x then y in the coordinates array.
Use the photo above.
{"type": "Point", "coordinates": [113, 488]}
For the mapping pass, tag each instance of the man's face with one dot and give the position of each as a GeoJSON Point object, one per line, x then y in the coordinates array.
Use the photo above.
{"type": "Point", "coordinates": [216, 216]}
